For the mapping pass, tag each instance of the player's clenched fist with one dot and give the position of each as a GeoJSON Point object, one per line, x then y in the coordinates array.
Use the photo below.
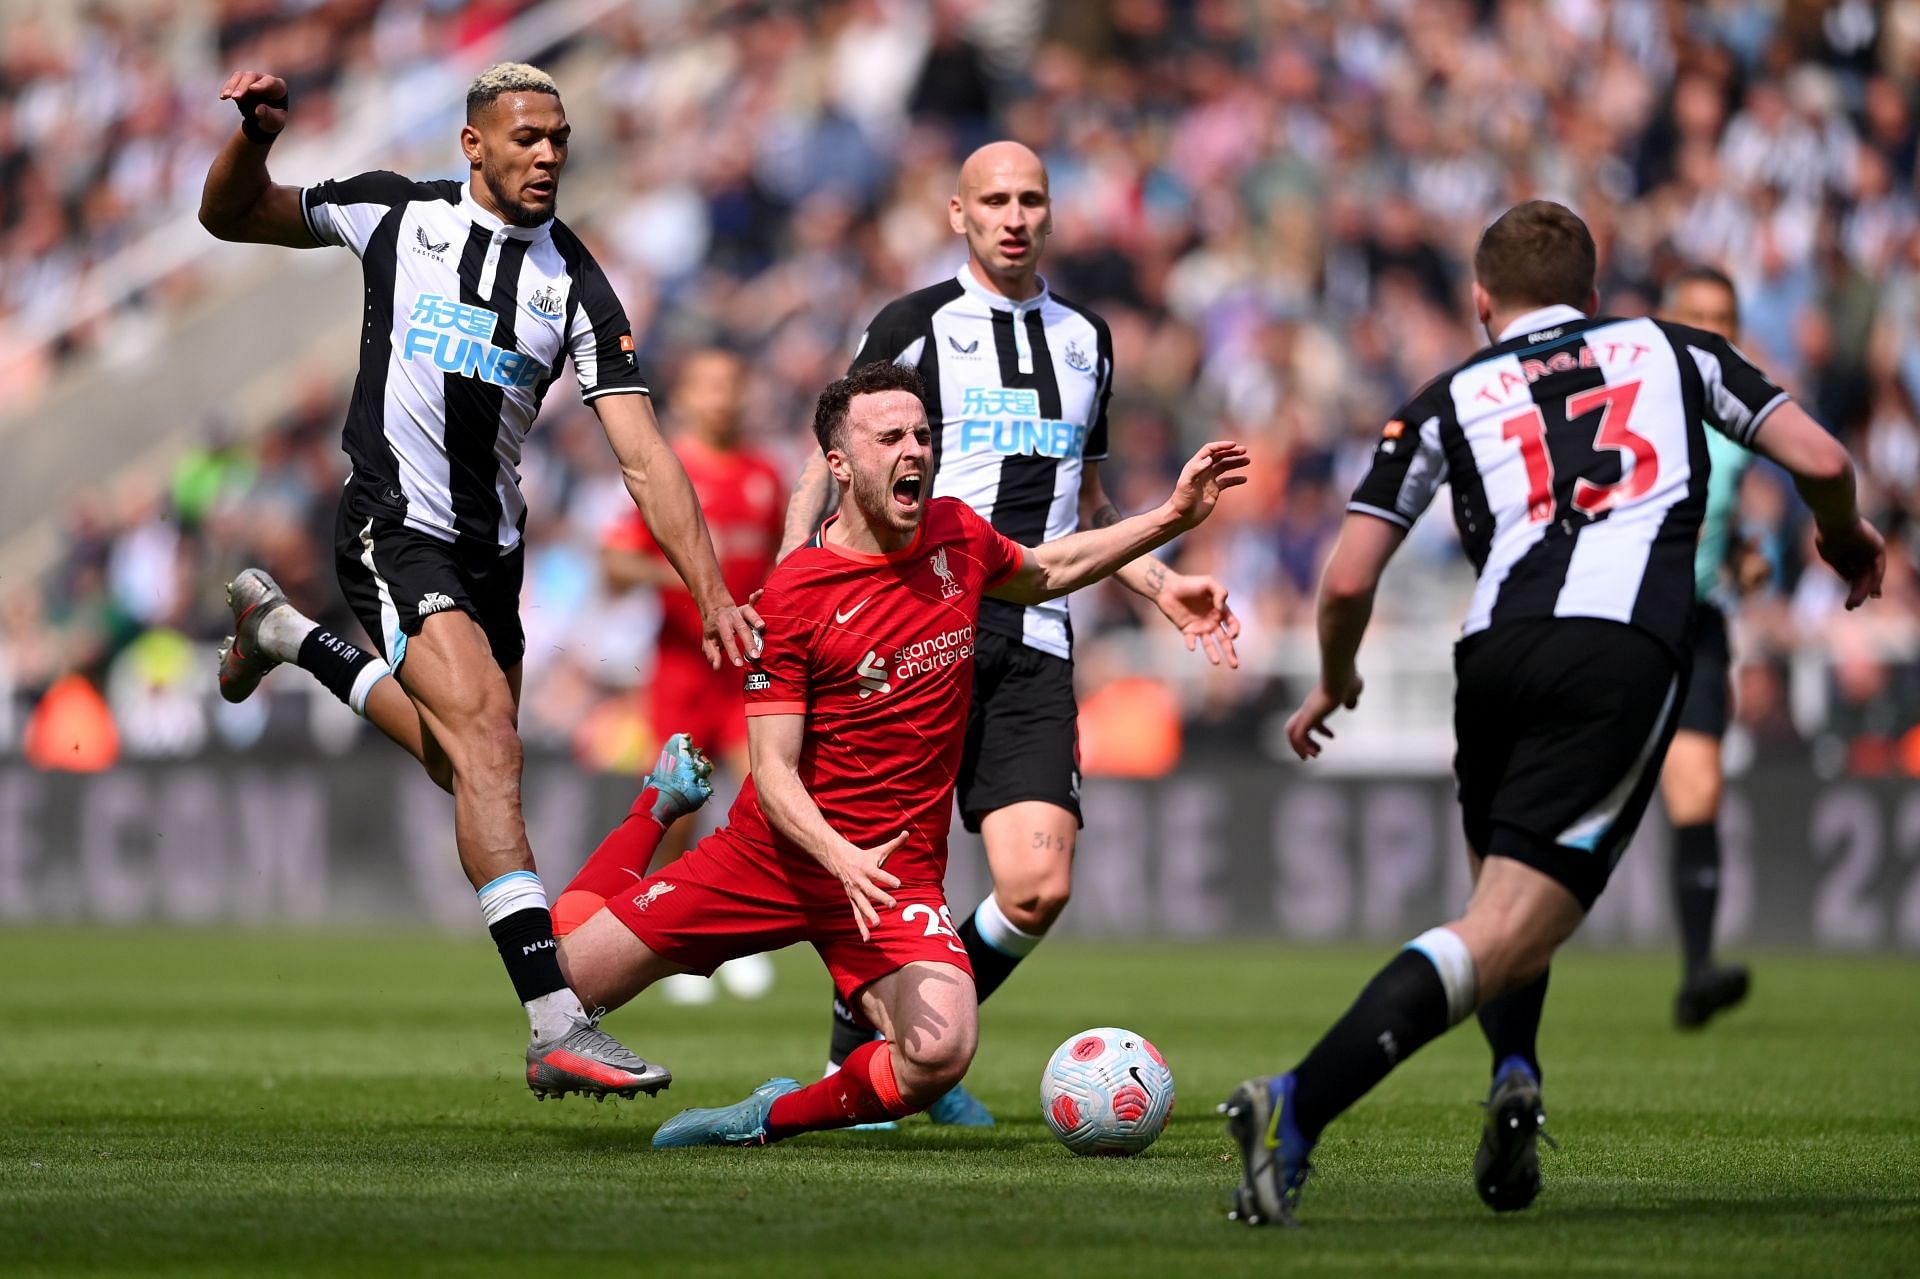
{"type": "Point", "coordinates": [859, 872]}
{"type": "Point", "coordinates": [262, 99]}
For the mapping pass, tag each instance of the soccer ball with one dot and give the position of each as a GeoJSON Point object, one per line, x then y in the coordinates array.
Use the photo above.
{"type": "Point", "coordinates": [1107, 1091]}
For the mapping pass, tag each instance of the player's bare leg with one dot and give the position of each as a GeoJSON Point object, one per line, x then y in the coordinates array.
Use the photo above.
{"type": "Point", "coordinates": [1690, 783]}
{"type": "Point", "coordinates": [469, 706]}
{"type": "Point", "coordinates": [1030, 848]}
{"type": "Point", "coordinates": [930, 1025]}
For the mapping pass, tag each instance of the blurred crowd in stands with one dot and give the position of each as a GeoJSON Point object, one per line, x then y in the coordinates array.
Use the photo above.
{"type": "Point", "coordinates": [1271, 201]}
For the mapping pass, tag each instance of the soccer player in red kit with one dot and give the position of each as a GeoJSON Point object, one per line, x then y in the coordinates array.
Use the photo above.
{"type": "Point", "coordinates": [856, 711]}
{"type": "Point", "coordinates": [744, 502]}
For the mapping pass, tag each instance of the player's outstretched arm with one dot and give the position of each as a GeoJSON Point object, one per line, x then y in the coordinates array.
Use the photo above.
{"type": "Point", "coordinates": [1066, 564]}
{"type": "Point", "coordinates": [1823, 473]}
{"type": "Point", "coordinates": [240, 201]}
{"type": "Point", "coordinates": [1346, 606]}
{"type": "Point", "coordinates": [773, 746]}
{"type": "Point", "coordinates": [1195, 603]}
{"type": "Point", "coordinates": [813, 495]}
{"type": "Point", "coordinates": [661, 490]}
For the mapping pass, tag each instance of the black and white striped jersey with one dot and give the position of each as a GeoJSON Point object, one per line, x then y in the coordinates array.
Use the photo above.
{"type": "Point", "coordinates": [1578, 462]}
{"type": "Point", "coordinates": [1017, 397]}
{"type": "Point", "coordinates": [469, 320]}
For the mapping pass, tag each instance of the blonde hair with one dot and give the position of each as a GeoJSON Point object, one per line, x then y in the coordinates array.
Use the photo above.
{"type": "Point", "coordinates": [507, 77]}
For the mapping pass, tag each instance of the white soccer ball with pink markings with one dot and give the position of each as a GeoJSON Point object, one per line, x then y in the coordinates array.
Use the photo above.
{"type": "Point", "coordinates": [1107, 1091]}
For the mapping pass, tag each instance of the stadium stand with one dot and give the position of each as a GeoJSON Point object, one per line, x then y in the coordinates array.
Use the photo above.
{"type": "Point", "coordinates": [1273, 210]}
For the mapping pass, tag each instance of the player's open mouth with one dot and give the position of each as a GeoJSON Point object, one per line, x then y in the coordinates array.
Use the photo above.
{"type": "Point", "coordinates": [906, 490]}
{"type": "Point", "coordinates": [540, 190]}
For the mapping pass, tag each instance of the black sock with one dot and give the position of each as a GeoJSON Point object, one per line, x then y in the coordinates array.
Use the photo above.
{"type": "Point", "coordinates": [1400, 1011]}
{"type": "Point", "coordinates": [991, 966]}
{"type": "Point", "coordinates": [333, 661]}
{"type": "Point", "coordinates": [532, 957]}
{"type": "Point", "coordinates": [1696, 890]}
{"type": "Point", "coordinates": [850, 1030]}
{"type": "Point", "coordinates": [1512, 1023]}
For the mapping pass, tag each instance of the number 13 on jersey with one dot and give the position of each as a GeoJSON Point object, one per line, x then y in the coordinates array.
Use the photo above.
{"type": "Point", "coordinates": [1639, 460]}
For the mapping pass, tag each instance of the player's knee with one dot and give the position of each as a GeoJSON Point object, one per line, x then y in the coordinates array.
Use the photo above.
{"type": "Point", "coordinates": [1036, 904]}
{"type": "Point", "coordinates": [934, 1063]}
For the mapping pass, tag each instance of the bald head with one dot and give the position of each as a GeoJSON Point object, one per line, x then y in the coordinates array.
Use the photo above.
{"type": "Point", "coordinates": [1001, 162]}
{"type": "Point", "coordinates": [1001, 205]}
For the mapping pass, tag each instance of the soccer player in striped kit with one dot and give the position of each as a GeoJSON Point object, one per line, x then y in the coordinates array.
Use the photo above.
{"type": "Point", "coordinates": [1575, 449]}
{"type": "Point", "coordinates": [477, 296]}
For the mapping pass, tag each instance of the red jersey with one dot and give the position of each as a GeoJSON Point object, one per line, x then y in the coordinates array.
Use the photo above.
{"type": "Point", "coordinates": [740, 495]}
{"type": "Point", "coordinates": [877, 652]}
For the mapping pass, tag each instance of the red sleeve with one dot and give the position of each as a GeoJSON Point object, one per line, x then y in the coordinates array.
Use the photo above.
{"type": "Point", "coordinates": [999, 555]}
{"type": "Point", "coordinates": [630, 533]}
{"type": "Point", "coordinates": [777, 682]}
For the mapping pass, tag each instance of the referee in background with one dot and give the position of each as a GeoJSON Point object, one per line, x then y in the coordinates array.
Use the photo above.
{"type": "Point", "coordinates": [1018, 380]}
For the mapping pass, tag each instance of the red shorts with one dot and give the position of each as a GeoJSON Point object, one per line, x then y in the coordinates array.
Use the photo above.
{"type": "Point", "coordinates": [688, 696]}
{"type": "Point", "coordinates": [722, 900]}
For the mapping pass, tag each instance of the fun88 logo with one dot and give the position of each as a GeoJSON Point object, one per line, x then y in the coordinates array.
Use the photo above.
{"type": "Point", "coordinates": [1007, 420]}
{"type": "Point", "coordinates": [454, 335]}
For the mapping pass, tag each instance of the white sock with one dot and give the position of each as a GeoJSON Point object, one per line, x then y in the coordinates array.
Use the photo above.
{"type": "Point", "coordinates": [1459, 976]}
{"type": "Point", "coordinates": [370, 674]}
{"type": "Point", "coordinates": [552, 1013]}
{"type": "Point", "coordinates": [555, 1013]}
{"type": "Point", "coordinates": [1002, 933]}
{"type": "Point", "coordinates": [283, 631]}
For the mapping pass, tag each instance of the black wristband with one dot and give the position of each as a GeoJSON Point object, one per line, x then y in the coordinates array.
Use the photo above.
{"type": "Point", "coordinates": [250, 126]}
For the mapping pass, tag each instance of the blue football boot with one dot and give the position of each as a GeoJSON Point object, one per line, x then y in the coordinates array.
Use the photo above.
{"type": "Point", "coordinates": [744, 1123]}
{"type": "Point", "coordinates": [1273, 1154]}
{"type": "Point", "coordinates": [961, 1109]}
{"type": "Point", "coordinates": [681, 779]}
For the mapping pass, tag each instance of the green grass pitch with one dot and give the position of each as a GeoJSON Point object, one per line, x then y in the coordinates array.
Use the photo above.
{"type": "Point", "coordinates": [233, 1103]}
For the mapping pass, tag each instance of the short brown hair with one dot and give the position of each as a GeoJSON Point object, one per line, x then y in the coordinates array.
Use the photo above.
{"type": "Point", "coordinates": [1700, 273]}
{"type": "Point", "coordinates": [1537, 254]}
{"type": "Point", "coordinates": [830, 414]}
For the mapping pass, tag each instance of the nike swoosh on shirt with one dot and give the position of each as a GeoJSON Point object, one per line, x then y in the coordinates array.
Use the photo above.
{"type": "Point", "coordinates": [841, 619]}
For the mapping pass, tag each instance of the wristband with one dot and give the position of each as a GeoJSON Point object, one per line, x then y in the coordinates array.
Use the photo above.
{"type": "Point", "coordinates": [250, 126]}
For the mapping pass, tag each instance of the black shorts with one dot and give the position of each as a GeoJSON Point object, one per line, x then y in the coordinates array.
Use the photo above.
{"type": "Point", "coordinates": [1709, 688]}
{"type": "Point", "coordinates": [1023, 731]}
{"type": "Point", "coordinates": [394, 577]}
{"type": "Point", "coordinates": [1562, 725]}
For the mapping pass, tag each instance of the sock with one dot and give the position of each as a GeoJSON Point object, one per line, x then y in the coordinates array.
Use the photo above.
{"type": "Point", "coordinates": [850, 1033]}
{"type": "Point", "coordinates": [1696, 890]}
{"type": "Point", "coordinates": [1511, 1024]}
{"type": "Point", "coordinates": [515, 908]}
{"type": "Point", "coordinates": [1427, 987]}
{"type": "Point", "coordinates": [994, 945]}
{"type": "Point", "coordinates": [862, 1091]}
{"type": "Point", "coordinates": [348, 671]}
{"type": "Point", "coordinates": [623, 856]}
{"type": "Point", "coordinates": [283, 631]}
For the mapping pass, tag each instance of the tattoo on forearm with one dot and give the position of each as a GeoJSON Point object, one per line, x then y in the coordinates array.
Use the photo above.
{"type": "Point", "coordinates": [1156, 576]}
{"type": "Point", "coordinates": [1107, 516]}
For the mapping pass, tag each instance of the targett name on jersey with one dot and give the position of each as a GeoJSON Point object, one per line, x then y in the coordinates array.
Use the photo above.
{"type": "Point", "coordinates": [454, 336]}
